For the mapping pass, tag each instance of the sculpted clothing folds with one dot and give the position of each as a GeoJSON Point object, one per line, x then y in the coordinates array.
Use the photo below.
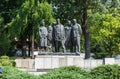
{"type": "Point", "coordinates": [68, 36]}
{"type": "Point", "coordinates": [59, 36]}
{"type": "Point", "coordinates": [76, 33]}
{"type": "Point", "coordinates": [50, 36]}
{"type": "Point", "coordinates": [43, 36]}
{"type": "Point", "coordinates": [59, 32]}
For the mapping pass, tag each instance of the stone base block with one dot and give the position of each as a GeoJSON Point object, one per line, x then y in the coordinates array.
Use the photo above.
{"type": "Point", "coordinates": [53, 61]}
{"type": "Point", "coordinates": [108, 61]}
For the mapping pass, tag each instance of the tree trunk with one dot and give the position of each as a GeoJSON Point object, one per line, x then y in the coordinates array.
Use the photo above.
{"type": "Point", "coordinates": [85, 30]}
{"type": "Point", "coordinates": [32, 48]}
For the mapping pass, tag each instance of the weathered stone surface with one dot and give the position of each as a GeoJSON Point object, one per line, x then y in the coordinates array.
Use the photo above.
{"type": "Point", "coordinates": [54, 61]}
{"type": "Point", "coordinates": [108, 61]}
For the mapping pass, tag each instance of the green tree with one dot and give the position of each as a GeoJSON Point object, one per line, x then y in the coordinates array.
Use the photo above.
{"type": "Point", "coordinates": [104, 33]}
{"type": "Point", "coordinates": [99, 11]}
{"type": "Point", "coordinates": [4, 42]}
{"type": "Point", "coordinates": [27, 20]}
{"type": "Point", "coordinates": [110, 34]}
{"type": "Point", "coordinates": [8, 9]}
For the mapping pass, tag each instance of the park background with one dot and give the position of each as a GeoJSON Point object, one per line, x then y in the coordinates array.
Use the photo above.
{"type": "Point", "coordinates": [100, 21]}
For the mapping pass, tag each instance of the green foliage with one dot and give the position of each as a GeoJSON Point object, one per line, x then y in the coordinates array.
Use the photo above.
{"type": "Point", "coordinates": [104, 33]}
{"type": "Point", "coordinates": [106, 72]}
{"type": "Point", "coordinates": [100, 55]}
{"type": "Point", "coordinates": [4, 40]}
{"type": "Point", "coordinates": [104, 6]}
{"type": "Point", "coordinates": [110, 34]}
{"type": "Point", "coordinates": [9, 8]}
{"type": "Point", "coordinates": [30, 14]}
{"type": "Point", "coordinates": [70, 72]}
{"type": "Point", "coordinates": [5, 61]}
{"type": "Point", "coordinates": [67, 9]}
{"type": "Point", "coordinates": [13, 73]}
{"type": "Point", "coordinates": [4, 44]}
{"type": "Point", "coordinates": [4, 57]}
{"type": "Point", "coordinates": [13, 63]}
{"type": "Point", "coordinates": [18, 19]}
{"type": "Point", "coordinates": [65, 75]}
{"type": "Point", "coordinates": [103, 20]}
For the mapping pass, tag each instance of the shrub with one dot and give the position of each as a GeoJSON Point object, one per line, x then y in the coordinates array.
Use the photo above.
{"type": "Point", "coordinates": [64, 75]}
{"type": "Point", "coordinates": [13, 73]}
{"type": "Point", "coordinates": [13, 63]}
{"type": "Point", "coordinates": [106, 72]}
{"type": "Point", "coordinates": [70, 72]}
{"type": "Point", "coordinates": [5, 61]}
{"type": "Point", "coordinates": [4, 57]}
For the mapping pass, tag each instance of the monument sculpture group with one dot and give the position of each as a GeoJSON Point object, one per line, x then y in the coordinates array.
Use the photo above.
{"type": "Point", "coordinates": [57, 37]}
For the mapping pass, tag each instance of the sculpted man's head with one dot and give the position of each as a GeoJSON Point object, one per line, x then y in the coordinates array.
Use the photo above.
{"type": "Point", "coordinates": [58, 21]}
{"type": "Point", "coordinates": [74, 21]}
{"type": "Point", "coordinates": [43, 24]}
{"type": "Point", "coordinates": [69, 22]}
{"type": "Point", "coordinates": [54, 23]}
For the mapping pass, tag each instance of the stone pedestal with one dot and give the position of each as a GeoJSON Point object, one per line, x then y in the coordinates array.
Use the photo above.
{"type": "Point", "coordinates": [109, 61]}
{"type": "Point", "coordinates": [53, 61]}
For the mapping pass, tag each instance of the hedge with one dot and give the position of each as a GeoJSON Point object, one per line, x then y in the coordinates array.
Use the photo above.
{"type": "Point", "coordinates": [106, 72]}
{"type": "Point", "coordinates": [70, 72]}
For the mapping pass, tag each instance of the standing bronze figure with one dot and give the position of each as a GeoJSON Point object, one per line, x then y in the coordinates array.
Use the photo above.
{"type": "Point", "coordinates": [43, 37]}
{"type": "Point", "coordinates": [50, 37]}
{"type": "Point", "coordinates": [68, 35]}
{"type": "Point", "coordinates": [59, 36]}
{"type": "Point", "coordinates": [75, 35]}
